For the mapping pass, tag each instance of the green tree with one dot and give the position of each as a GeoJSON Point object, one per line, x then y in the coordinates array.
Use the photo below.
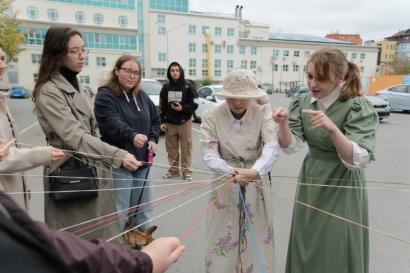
{"type": "Point", "coordinates": [400, 66]}
{"type": "Point", "coordinates": [10, 36]}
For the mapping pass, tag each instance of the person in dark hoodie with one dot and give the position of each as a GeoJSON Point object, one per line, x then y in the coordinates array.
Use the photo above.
{"type": "Point", "coordinates": [127, 119]}
{"type": "Point", "coordinates": [176, 108]}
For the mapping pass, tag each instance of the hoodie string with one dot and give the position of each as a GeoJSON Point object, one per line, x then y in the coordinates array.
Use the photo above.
{"type": "Point", "coordinates": [135, 100]}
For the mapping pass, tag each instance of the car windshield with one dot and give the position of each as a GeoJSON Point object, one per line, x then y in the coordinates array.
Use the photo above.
{"type": "Point", "coordinates": [219, 89]}
{"type": "Point", "coordinates": [151, 87]}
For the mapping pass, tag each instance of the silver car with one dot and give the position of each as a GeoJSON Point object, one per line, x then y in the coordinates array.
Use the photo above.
{"type": "Point", "coordinates": [398, 96]}
{"type": "Point", "coordinates": [381, 106]}
{"type": "Point", "coordinates": [153, 89]}
{"type": "Point", "coordinates": [207, 100]}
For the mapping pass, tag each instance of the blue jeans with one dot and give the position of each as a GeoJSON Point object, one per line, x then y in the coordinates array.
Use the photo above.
{"type": "Point", "coordinates": [127, 198]}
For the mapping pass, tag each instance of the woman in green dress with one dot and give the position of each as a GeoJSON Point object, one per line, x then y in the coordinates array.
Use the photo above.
{"type": "Point", "coordinates": [339, 125]}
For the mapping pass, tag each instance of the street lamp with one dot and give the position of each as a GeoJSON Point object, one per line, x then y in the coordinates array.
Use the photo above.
{"type": "Point", "coordinates": [168, 31]}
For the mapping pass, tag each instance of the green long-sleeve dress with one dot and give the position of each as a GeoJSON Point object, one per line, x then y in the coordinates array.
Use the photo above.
{"type": "Point", "coordinates": [320, 243]}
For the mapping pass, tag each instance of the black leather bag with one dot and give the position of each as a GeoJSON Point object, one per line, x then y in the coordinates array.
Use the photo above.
{"type": "Point", "coordinates": [80, 183]}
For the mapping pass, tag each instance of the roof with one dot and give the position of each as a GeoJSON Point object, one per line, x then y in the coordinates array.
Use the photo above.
{"type": "Point", "coordinates": [400, 34]}
{"type": "Point", "coordinates": [305, 38]}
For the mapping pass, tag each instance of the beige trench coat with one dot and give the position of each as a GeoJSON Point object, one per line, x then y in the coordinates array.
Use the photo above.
{"type": "Point", "coordinates": [67, 120]}
{"type": "Point", "coordinates": [18, 159]}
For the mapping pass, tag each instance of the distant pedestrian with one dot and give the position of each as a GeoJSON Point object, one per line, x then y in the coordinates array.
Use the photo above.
{"type": "Point", "coordinates": [339, 126]}
{"type": "Point", "coordinates": [176, 108]}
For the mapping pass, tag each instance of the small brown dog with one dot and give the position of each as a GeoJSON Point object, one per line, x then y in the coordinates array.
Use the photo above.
{"type": "Point", "coordinates": [137, 239]}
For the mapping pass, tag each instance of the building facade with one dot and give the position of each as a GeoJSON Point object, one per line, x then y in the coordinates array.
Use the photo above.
{"type": "Point", "coordinates": [353, 38]}
{"type": "Point", "coordinates": [403, 43]}
{"type": "Point", "coordinates": [207, 45]}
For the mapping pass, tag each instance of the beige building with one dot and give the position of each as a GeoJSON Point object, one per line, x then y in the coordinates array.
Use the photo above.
{"type": "Point", "coordinates": [387, 51]}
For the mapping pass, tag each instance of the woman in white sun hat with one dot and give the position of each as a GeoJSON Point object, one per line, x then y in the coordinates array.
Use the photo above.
{"type": "Point", "coordinates": [238, 139]}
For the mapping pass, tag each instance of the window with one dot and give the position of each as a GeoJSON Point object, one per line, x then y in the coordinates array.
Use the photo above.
{"type": "Point", "coordinates": [361, 69]}
{"type": "Point", "coordinates": [35, 58]}
{"type": "Point", "coordinates": [160, 71]}
{"type": "Point", "coordinates": [204, 63]}
{"type": "Point", "coordinates": [244, 64]}
{"type": "Point", "coordinates": [253, 50]}
{"type": "Point", "coordinates": [253, 65]}
{"type": "Point", "coordinates": [86, 61]}
{"type": "Point", "coordinates": [122, 20]}
{"type": "Point", "coordinates": [32, 12]}
{"type": "Point", "coordinates": [192, 72]}
{"type": "Point", "coordinates": [362, 56]}
{"type": "Point", "coordinates": [192, 63]}
{"type": "Point", "coordinates": [35, 77]}
{"type": "Point", "coordinates": [285, 67]}
{"type": "Point", "coordinates": [85, 79]}
{"type": "Point", "coordinates": [296, 53]}
{"type": "Point", "coordinates": [295, 68]}
{"type": "Point", "coordinates": [218, 31]}
{"type": "Point", "coordinates": [204, 48]}
{"type": "Point", "coordinates": [218, 63]}
{"type": "Point", "coordinates": [231, 32]}
{"type": "Point", "coordinates": [101, 61]}
{"type": "Point", "coordinates": [52, 14]}
{"type": "Point", "coordinates": [162, 57]}
{"type": "Point", "coordinates": [229, 49]}
{"type": "Point", "coordinates": [218, 73]}
{"type": "Point", "coordinates": [275, 67]}
{"type": "Point", "coordinates": [191, 29]}
{"type": "Point", "coordinates": [286, 53]}
{"type": "Point", "coordinates": [306, 53]}
{"type": "Point", "coordinates": [398, 89]}
{"type": "Point", "coordinates": [162, 30]}
{"type": "Point", "coordinates": [218, 48]}
{"type": "Point", "coordinates": [205, 29]}
{"type": "Point", "coordinates": [204, 92]}
{"type": "Point", "coordinates": [275, 53]}
{"type": "Point", "coordinates": [204, 72]}
{"type": "Point", "coordinates": [242, 49]}
{"type": "Point", "coordinates": [98, 19]}
{"type": "Point", "coordinates": [192, 47]}
{"type": "Point", "coordinates": [80, 17]}
{"type": "Point", "coordinates": [353, 55]}
{"type": "Point", "coordinates": [97, 38]}
{"type": "Point", "coordinates": [161, 19]}
{"type": "Point", "coordinates": [229, 64]}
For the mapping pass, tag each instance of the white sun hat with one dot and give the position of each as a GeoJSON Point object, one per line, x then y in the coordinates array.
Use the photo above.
{"type": "Point", "coordinates": [241, 84]}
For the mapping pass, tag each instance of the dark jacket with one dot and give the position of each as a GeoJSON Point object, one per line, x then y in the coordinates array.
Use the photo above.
{"type": "Point", "coordinates": [185, 93]}
{"type": "Point", "coordinates": [30, 246]}
{"type": "Point", "coordinates": [120, 118]}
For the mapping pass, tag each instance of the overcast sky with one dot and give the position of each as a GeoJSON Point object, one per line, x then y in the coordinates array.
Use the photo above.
{"type": "Point", "coordinates": [372, 19]}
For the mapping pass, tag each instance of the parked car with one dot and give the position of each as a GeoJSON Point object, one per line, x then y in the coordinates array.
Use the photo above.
{"type": "Point", "coordinates": [18, 92]}
{"type": "Point", "coordinates": [398, 96]}
{"type": "Point", "coordinates": [153, 89]}
{"type": "Point", "coordinates": [381, 106]}
{"type": "Point", "coordinates": [207, 100]}
{"type": "Point", "coordinates": [293, 91]}
{"type": "Point", "coordinates": [267, 87]}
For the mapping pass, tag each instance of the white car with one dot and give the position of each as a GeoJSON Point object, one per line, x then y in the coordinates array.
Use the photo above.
{"type": "Point", "coordinates": [153, 89]}
{"type": "Point", "coordinates": [207, 100]}
{"type": "Point", "coordinates": [381, 106]}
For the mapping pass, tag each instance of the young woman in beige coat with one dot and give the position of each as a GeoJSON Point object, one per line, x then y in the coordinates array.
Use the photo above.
{"type": "Point", "coordinates": [17, 159]}
{"type": "Point", "coordinates": [64, 112]}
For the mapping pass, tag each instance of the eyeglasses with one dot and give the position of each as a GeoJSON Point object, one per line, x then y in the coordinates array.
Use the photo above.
{"type": "Point", "coordinates": [131, 72]}
{"type": "Point", "coordinates": [77, 51]}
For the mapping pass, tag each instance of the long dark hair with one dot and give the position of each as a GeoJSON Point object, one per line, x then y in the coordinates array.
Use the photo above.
{"type": "Point", "coordinates": [113, 82]}
{"type": "Point", "coordinates": [333, 61]}
{"type": "Point", "coordinates": [54, 49]}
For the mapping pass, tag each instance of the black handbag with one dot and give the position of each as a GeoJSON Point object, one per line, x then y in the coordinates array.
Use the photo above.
{"type": "Point", "coordinates": [80, 183]}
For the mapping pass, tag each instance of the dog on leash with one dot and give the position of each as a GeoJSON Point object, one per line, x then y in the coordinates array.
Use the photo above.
{"type": "Point", "coordinates": [137, 239]}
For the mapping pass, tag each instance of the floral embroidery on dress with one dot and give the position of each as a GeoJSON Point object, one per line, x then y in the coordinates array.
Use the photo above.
{"type": "Point", "coordinates": [215, 200]}
{"type": "Point", "coordinates": [225, 244]}
{"type": "Point", "coordinates": [269, 237]}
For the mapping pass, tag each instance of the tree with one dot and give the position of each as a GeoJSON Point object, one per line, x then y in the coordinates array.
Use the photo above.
{"type": "Point", "coordinates": [400, 66]}
{"type": "Point", "coordinates": [10, 36]}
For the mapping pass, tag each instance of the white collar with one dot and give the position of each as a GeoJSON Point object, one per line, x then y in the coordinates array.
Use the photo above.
{"type": "Point", "coordinates": [236, 123]}
{"type": "Point", "coordinates": [327, 101]}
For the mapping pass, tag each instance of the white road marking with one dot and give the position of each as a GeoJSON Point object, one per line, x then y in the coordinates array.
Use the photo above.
{"type": "Point", "coordinates": [28, 128]}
